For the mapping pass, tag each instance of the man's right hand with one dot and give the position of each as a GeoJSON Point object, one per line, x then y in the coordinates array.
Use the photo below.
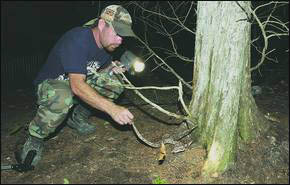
{"type": "Point", "coordinates": [121, 115]}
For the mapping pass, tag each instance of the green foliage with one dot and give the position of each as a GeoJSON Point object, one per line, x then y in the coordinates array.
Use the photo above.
{"type": "Point", "coordinates": [65, 181]}
{"type": "Point", "coordinates": [158, 180]}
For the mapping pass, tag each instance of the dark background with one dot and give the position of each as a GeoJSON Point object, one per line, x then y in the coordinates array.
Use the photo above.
{"type": "Point", "coordinates": [32, 26]}
{"type": "Point", "coordinates": [29, 29]}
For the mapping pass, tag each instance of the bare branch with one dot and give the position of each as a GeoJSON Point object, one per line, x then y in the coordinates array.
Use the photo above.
{"type": "Point", "coordinates": [131, 86]}
{"type": "Point", "coordinates": [189, 10]}
{"type": "Point", "coordinates": [165, 64]}
{"type": "Point", "coordinates": [272, 22]}
{"type": "Point", "coordinates": [178, 20]}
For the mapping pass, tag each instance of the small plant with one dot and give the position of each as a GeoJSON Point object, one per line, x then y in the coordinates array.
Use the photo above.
{"type": "Point", "coordinates": [65, 181]}
{"type": "Point", "coordinates": [158, 180]}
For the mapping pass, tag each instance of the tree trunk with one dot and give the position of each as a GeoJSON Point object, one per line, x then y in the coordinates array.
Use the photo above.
{"type": "Point", "coordinates": [222, 101]}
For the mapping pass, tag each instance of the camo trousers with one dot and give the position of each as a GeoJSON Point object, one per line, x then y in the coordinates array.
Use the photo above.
{"type": "Point", "coordinates": [55, 99]}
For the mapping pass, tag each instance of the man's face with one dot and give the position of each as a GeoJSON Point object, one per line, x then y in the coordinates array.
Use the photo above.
{"type": "Point", "coordinates": [109, 38]}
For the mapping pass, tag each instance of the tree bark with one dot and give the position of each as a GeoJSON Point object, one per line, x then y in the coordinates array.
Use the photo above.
{"type": "Point", "coordinates": [222, 101]}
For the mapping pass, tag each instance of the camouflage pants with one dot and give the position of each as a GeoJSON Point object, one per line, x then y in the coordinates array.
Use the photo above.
{"type": "Point", "coordinates": [55, 99]}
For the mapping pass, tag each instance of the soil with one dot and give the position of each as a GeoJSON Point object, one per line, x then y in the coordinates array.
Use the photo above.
{"type": "Point", "coordinates": [114, 155]}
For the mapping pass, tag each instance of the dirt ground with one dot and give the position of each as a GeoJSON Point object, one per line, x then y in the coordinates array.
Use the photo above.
{"type": "Point", "coordinates": [114, 155]}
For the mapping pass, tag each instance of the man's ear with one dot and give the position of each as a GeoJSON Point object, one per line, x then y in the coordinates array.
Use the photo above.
{"type": "Point", "coordinates": [101, 24]}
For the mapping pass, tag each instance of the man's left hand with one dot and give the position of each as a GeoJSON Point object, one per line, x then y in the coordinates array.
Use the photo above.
{"type": "Point", "coordinates": [118, 68]}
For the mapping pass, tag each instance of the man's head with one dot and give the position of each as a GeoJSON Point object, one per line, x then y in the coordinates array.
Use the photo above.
{"type": "Point", "coordinates": [107, 36]}
{"type": "Point", "coordinates": [114, 23]}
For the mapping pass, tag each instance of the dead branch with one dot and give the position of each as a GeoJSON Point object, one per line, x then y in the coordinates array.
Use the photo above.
{"type": "Point", "coordinates": [272, 22]}
{"type": "Point", "coordinates": [180, 92]}
{"type": "Point", "coordinates": [154, 17]}
{"type": "Point", "coordinates": [165, 64]}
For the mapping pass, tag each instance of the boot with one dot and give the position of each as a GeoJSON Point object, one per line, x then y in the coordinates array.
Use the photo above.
{"type": "Point", "coordinates": [79, 120]}
{"type": "Point", "coordinates": [32, 143]}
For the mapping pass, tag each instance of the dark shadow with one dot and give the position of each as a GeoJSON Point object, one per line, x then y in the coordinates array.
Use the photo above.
{"type": "Point", "coordinates": [106, 117]}
{"type": "Point", "coordinates": [128, 103]}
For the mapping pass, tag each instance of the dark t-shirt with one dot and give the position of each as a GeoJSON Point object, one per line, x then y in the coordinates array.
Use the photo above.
{"type": "Point", "coordinates": [75, 52]}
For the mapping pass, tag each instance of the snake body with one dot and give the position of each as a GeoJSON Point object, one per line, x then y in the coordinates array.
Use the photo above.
{"type": "Point", "coordinates": [173, 139]}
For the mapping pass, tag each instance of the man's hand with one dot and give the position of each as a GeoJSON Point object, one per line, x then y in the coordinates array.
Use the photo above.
{"type": "Point", "coordinates": [121, 115]}
{"type": "Point", "coordinates": [80, 88]}
{"type": "Point", "coordinates": [116, 68]}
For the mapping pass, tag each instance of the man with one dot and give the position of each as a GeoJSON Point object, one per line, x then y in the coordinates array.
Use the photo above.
{"type": "Point", "coordinates": [74, 69]}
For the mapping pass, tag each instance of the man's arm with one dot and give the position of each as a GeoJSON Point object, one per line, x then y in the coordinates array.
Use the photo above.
{"type": "Point", "coordinates": [81, 89]}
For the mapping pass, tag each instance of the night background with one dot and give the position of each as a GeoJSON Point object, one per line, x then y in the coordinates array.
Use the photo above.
{"type": "Point", "coordinates": [29, 29]}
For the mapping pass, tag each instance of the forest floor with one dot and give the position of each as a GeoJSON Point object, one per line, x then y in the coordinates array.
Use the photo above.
{"type": "Point", "coordinates": [114, 155]}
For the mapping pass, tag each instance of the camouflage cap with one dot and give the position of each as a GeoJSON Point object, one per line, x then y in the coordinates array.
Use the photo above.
{"type": "Point", "coordinates": [119, 18]}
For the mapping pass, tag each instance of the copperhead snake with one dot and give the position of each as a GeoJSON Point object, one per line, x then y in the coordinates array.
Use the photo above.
{"type": "Point", "coordinates": [173, 139]}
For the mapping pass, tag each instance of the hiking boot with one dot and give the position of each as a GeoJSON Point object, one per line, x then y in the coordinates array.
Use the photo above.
{"type": "Point", "coordinates": [79, 120]}
{"type": "Point", "coordinates": [32, 143]}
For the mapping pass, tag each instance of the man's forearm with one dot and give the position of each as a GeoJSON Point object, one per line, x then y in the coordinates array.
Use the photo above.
{"type": "Point", "coordinates": [80, 88]}
{"type": "Point", "coordinates": [93, 98]}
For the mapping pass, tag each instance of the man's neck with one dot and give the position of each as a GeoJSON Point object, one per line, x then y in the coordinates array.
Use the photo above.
{"type": "Point", "coordinates": [96, 33]}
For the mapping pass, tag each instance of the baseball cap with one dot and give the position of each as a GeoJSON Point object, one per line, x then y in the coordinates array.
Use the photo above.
{"type": "Point", "coordinates": [117, 17]}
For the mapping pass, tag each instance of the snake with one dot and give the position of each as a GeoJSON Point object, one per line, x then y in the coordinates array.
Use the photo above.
{"type": "Point", "coordinates": [173, 139]}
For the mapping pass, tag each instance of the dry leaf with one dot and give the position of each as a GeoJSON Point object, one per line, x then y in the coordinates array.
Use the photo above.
{"type": "Point", "coordinates": [215, 175]}
{"type": "Point", "coordinates": [162, 153]}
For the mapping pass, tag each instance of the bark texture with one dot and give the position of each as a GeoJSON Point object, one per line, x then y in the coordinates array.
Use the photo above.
{"type": "Point", "coordinates": [222, 101]}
